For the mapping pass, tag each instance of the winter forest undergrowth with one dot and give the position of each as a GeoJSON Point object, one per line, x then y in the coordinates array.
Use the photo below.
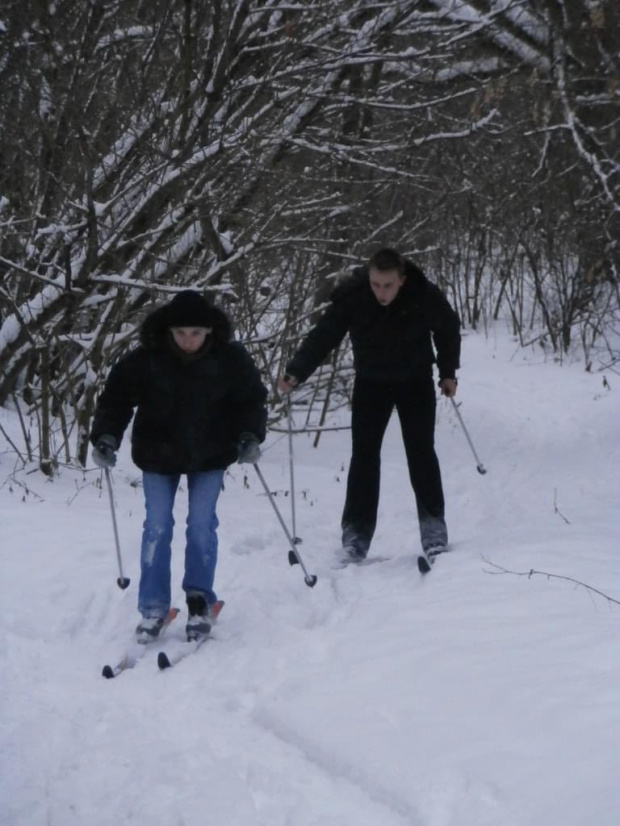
{"type": "Point", "coordinates": [256, 150]}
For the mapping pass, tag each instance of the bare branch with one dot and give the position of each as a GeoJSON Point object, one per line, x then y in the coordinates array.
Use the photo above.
{"type": "Point", "coordinates": [498, 569]}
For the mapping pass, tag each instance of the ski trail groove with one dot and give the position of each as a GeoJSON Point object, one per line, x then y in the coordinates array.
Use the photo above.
{"type": "Point", "coordinates": [400, 810]}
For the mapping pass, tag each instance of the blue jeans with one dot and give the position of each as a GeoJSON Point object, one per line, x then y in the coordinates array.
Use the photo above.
{"type": "Point", "coordinates": [201, 538]}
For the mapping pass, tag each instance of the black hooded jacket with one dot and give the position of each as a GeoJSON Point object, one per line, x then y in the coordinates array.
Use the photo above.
{"type": "Point", "coordinates": [191, 410]}
{"type": "Point", "coordinates": [390, 343]}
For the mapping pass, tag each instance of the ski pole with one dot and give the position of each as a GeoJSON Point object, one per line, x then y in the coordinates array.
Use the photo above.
{"type": "Point", "coordinates": [122, 581]}
{"type": "Point", "coordinates": [479, 466]}
{"type": "Point", "coordinates": [294, 557]}
{"type": "Point", "coordinates": [296, 539]}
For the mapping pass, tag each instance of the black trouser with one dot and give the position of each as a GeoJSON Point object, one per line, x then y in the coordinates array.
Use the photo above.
{"type": "Point", "coordinates": [373, 403]}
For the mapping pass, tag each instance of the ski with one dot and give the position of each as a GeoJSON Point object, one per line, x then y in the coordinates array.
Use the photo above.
{"type": "Point", "coordinates": [165, 660]}
{"type": "Point", "coordinates": [426, 559]}
{"type": "Point", "coordinates": [134, 654]}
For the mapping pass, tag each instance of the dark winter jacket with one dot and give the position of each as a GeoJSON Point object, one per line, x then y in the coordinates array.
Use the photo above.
{"type": "Point", "coordinates": [191, 410]}
{"type": "Point", "coordinates": [390, 343]}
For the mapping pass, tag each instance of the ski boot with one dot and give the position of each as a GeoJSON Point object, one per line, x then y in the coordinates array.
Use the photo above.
{"type": "Point", "coordinates": [198, 622]}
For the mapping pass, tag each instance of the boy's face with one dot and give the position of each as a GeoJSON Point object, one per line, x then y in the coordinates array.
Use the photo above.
{"type": "Point", "coordinates": [189, 339]}
{"type": "Point", "coordinates": [385, 284]}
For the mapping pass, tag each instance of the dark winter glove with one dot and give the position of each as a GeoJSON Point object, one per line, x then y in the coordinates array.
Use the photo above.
{"type": "Point", "coordinates": [104, 452]}
{"type": "Point", "coordinates": [249, 449]}
{"type": "Point", "coordinates": [448, 387]}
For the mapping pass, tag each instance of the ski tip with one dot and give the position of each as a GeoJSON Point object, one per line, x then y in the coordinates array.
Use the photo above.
{"type": "Point", "coordinates": [424, 565]}
{"type": "Point", "coordinates": [163, 662]}
{"type": "Point", "coordinates": [107, 672]}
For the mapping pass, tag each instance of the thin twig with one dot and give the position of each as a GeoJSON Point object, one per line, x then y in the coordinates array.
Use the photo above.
{"type": "Point", "coordinates": [555, 506]}
{"type": "Point", "coordinates": [22, 423]}
{"type": "Point", "coordinates": [15, 448]}
{"type": "Point", "coordinates": [532, 572]}
{"type": "Point", "coordinates": [12, 479]}
{"type": "Point", "coordinates": [309, 429]}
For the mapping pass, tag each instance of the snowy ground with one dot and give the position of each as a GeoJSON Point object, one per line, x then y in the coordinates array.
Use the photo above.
{"type": "Point", "coordinates": [466, 698]}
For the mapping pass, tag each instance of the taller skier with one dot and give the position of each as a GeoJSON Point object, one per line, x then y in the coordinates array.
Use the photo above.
{"type": "Point", "coordinates": [393, 315]}
{"type": "Point", "coordinates": [200, 405]}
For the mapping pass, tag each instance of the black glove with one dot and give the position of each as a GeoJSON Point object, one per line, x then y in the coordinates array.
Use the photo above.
{"type": "Point", "coordinates": [104, 452]}
{"type": "Point", "coordinates": [249, 449]}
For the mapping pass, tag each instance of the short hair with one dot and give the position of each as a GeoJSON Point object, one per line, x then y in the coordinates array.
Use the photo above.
{"type": "Point", "coordinates": [387, 259]}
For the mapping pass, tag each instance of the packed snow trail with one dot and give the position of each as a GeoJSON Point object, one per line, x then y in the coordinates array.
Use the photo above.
{"type": "Point", "coordinates": [463, 698]}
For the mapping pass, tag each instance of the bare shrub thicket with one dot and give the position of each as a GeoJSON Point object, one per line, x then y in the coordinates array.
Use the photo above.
{"type": "Point", "coordinates": [258, 149]}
